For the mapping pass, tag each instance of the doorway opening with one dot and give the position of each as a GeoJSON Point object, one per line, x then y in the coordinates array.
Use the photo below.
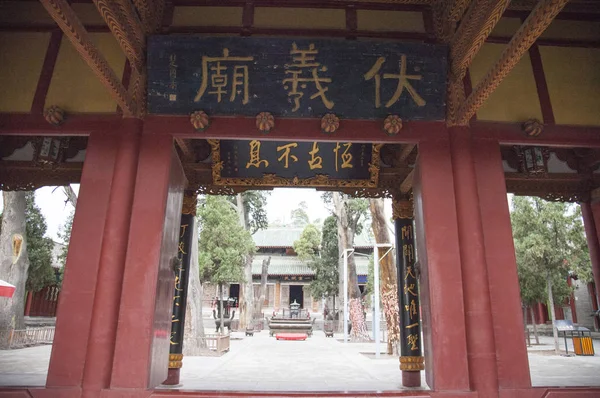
{"type": "Point", "coordinates": [234, 293]}
{"type": "Point", "coordinates": [297, 295]}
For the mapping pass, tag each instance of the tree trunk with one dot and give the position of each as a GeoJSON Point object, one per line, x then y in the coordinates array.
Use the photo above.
{"type": "Point", "coordinates": [247, 291]}
{"type": "Point", "coordinates": [535, 331]}
{"type": "Point", "coordinates": [193, 335]}
{"type": "Point", "coordinates": [71, 195]}
{"type": "Point", "coordinates": [346, 238]}
{"type": "Point", "coordinates": [14, 262]}
{"type": "Point", "coordinates": [525, 325]}
{"type": "Point", "coordinates": [263, 286]}
{"type": "Point", "coordinates": [552, 315]}
{"type": "Point", "coordinates": [389, 285]}
{"type": "Point", "coordinates": [222, 320]}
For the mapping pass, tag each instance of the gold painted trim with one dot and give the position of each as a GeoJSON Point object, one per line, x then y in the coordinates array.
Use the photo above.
{"type": "Point", "coordinates": [402, 209]}
{"type": "Point", "coordinates": [413, 364]}
{"type": "Point", "coordinates": [175, 361]}
{"type": "Point", "coordinates": [268, 179]}
{"type": "Point", "coordinates": [190, 202]}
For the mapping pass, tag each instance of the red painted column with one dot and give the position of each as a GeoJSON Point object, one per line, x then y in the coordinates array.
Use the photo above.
{"type": "Point", "coordinates": [481, 346]}
{"type": "Point", "coordinates": [591, 222]}
{"type": "Point", "coordinates": [142, 342]}
{"type": "Point", "coordinates": [76, 300]}
{"type": "Point", "coordinates": [101, 345]}
{"type": "Point", "coordinates": [445, 348]}
{"type": "Point", "coordinates": [505, 295]}
{"type": "Point", "coordinates": [28, 303]}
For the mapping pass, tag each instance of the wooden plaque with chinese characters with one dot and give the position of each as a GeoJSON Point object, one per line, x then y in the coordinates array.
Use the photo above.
{"type": "Point", "coordinates": [309, 164]}
{"type": "Point", "coordinates": [296, 77]}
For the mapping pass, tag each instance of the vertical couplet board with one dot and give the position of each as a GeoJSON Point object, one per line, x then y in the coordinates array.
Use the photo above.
{"type": "Point", "coordinates": [298, 78]}
{"type": "Point", "coordinates": [181, 282]}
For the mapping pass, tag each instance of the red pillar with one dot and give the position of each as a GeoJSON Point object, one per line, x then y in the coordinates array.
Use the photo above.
{"type": "Point", "coordinates": [505, 295]}
{"type": "Point", "coordinates": [445, 349]}
{"type": "Point", "coordinates": [101, 345]}
{"type": "Point", "coordinates": [142, 342]}
{"type": "Point", "coordinates": [591, 222]}
{"type": "Point", "coordinates": [76, 302]}
{"type": "Point", "coordinates": [28, 303]}
{"type": "Point", "coordinates": [481, 345]}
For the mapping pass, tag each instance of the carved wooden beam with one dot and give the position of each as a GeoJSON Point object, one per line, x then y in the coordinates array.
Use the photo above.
{"type": "Point", "coordinates": [405, 152]}
{"type": "Point", "coordinates": [150, 12]}
{"type": "Point", "coordinates": [447, 14]}
{"type": "Point", "coordinates": [70, 24]}
{"type": "Point", "coordinates": [406, 185]}
{"type": "Point", "coordinates": [123, 30]}
{"type": "Point", "coordinates": [532, 28]}
{"type": "Point", "coordinates": [476, 26]}
{"type": "Point", "coordinates": [187, 151]}
{"type": "Point", "coordinates": [137, 92]}
{"type": "Point", "coordinates": [27, 176]}
{"type": "Point", "coordinates": [479, 21]}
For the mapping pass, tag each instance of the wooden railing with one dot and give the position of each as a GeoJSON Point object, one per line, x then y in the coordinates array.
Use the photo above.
{"type": "Point", "coordinates": [42, 303]}
{"type": "Point", "coordinates": [29, 337]}
{"type": "Point", "coordinates": [218, 343]}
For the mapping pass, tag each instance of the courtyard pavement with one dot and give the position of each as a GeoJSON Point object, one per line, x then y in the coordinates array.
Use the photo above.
{"type": "Point", "coordinates": [317, 364]}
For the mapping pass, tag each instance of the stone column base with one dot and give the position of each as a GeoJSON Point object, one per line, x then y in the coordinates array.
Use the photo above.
{"type": "Point", "coordinates": [175, 364]}
{"type": "Point", "coordinates": [411, 371]}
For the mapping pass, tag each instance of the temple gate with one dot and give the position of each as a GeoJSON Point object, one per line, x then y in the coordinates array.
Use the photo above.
{"type": "Point", "coordinates": [454, 102]}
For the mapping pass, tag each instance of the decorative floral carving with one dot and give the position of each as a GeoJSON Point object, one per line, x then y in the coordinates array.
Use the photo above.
{"type": "Point", "coordinates": [199, 120]}
{"type": "Point", "coordinates": [402, 209]}
{"type": "Point", "coordinates": [265, 122]}
{"type": "Point", "coordinates": [54, 115]}
{"type": "Point", "coordinates": [533, 127]}
{"type": "Point", "coordinates": [392, 125]}
{"type": "Point", "coordinates": [330, 123]}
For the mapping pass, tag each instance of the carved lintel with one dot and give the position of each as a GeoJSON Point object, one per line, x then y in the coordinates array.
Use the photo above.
{"type": "Point", "coordinates": [190, 202]}
{"type": "Point", "coordinates": [402, 209]}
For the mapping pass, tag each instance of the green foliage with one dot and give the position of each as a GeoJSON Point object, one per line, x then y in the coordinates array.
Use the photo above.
{"type": "Point", "coordinates": [326, 279]}
{"type": "Point", "coordinates": [223, 243]}
{"type": "Point", "coordinates": [255, 203]}
{"type": "Point", "coordinates": [64, 233]}
{"type": "Point", "coordinates": [39, 248]}
{"type": "Point", "coordinates": [356, 208]}
{"type": "Point", "coordinates": [307, 247]}
{"type": "Point", "coordinates": [300, 215]}
{"type": "Point", "coordinates": [548, 240]}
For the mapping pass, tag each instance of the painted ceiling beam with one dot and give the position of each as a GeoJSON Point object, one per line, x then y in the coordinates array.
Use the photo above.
{"type": "Point", "coordinates": [150, 12]}
{"type": "Point", "coordinates": [137, 92]}
{"type": "Point", "coordinates": [126, 31]}
{"type": "Point", "coordinates": [405, 153]}
{"type": "Point", "coordinates": [446, 15]}
{"type": "Point", "coordinates": [476, 26]}
{"type": "Point", "coordinates": [187, 150]}
{"type": "Point", "coordinates": [406, 185]}
{"type": "Point", "coordinates": [539, 19]}
{"type": "Point", "coordinates": [73, 29]}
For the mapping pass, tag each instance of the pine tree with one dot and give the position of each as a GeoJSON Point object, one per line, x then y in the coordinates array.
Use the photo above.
{"type": "Point", "coordinates": [548, 246]}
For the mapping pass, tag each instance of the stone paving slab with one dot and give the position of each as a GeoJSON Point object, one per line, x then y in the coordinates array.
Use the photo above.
{"type": "Point", "coordinates": [261, 363]}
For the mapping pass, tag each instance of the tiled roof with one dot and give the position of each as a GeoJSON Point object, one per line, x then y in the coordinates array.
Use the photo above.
{"type": "Point", "coordinates": [286, 236]}
{"type": "Point", "coordinates": [291, 265]}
